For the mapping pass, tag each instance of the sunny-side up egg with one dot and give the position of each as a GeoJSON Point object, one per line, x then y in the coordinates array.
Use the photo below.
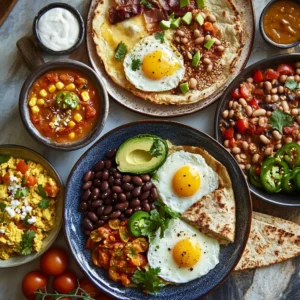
{"type": "Point", "coordinates": [184, 253]}
{"type": "Point", "coordinates": [161, 65]}
{"type": "Point", "coordinates": [184, 179]}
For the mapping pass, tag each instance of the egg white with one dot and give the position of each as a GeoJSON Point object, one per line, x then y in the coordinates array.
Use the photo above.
{"type": "Point", "coordinates": [165, 174]}
{"type": "Point", "coordinates": [146, 46]}
{"type": "Point", "coordinates": [160, 253]}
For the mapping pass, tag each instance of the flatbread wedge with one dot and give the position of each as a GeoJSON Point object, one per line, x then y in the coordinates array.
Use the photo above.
{"type": "Point", "coordinates": [272, 240]}
{"type": "Point", "coordinates": [213, 214]}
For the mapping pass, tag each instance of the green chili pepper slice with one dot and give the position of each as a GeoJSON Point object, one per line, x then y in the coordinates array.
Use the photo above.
{"type": "Point", "coordinates": [297, 181]}
{"type": "Point", "coordinates": [290, 153]}
{"type": "Point", "coordinates": [255, 179]}
{"type": "Point", "coordinates": [272, 171]}
{"type": "Point", "coordinates": [66, 100]}
{"type": "Point", "coordinates": [136, 221]}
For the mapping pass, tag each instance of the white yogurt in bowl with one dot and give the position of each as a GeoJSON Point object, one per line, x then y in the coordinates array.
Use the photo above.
{"type": "Point", "coordinates": [58, 29]}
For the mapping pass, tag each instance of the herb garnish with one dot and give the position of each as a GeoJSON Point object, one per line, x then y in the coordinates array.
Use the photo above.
{"type": "Point", "coordinates": [146, 3]}
{"type": "Point", "coordinates": [160, 36]}
{"type": "Point", "coordinates": [27, 242]}
{"type": "Point", "coordinates": [121, 51]}
{"type": "Point", "coordinates": [4, 159]}
{"type": "Point", "coordinates": [22, 192]}
{"type": "Point", "coordinates": [136, 64]}
{"type": "Point", "coordinates": [2, 208]}
{"type": "Point", "coordinates": [45, 202]}
{"type": "Point", "coordinates": [280, 119]}
{"type": "Point", "coordinates": [156, 148]}
{"type": "Point", "coordinates": [292, 85]}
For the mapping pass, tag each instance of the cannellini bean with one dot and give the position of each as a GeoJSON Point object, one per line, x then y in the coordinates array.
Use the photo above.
{"type": "Point", "coordinates": [288, 139]}
{"type": "Point", "coordinates": [264, 139]}
{"type": "Point", "coordinates": [245, 145]}
{"type": "Point", "coordinates": [280, 89]}
{"type": "Point", "coordinates": [295, 111]}
{"type": "Point", "coordinates": [278, 146]}
{"type": "Point", "coordinates": [248, 166]}
{"type": "Point", "coordinates": [274, 91]}
{"type": "Point", "coordinates": [197, 33]}
{"type": "Point", "coordinates": [207, 37]}
{"type": "Point", "coordinates": [236, 150]}
{"type": "Point", "coordinates": [268, 151]}
{"type": "Point", "coordinates": [177, 39]}
{"type": "Point", "coordinates": [238, 158]}
{"type": "Point", "coordinates": [180, 32]}
{"type": "Point", "coordinates": [285, 106]}
{"type": "Point", "coordinates": [232, 123]}
{"type": "Point", "coordinates": [290, 78]}
{"type": "Point", "coordinates": [276, 134]}
{"type": "Point", "coordinates": [242, 166]}
{"type": "Point", "coordinates": [297, 78]}
{"type": "Point", "coordinates": [243, 156]}
{"type": "Point", "coordinates": [249, 110]}
{"type": "Point", "coordinates": [269, 113]}
{"type": "Point", "coordinates": [298, 120]}
{"type": "Point", "coordinates": [225, 114]}
{"type": "Point", "coordinates": [231, 113]}
{"type": "Point", "coordinates": [206, 61]}
{"type": "Point", "coordinates": [283, 78]}
{"type": "Point", "coordinates": [275, 98]}
{"type": "Point", "coordinates": [230, 103]}
{"type": "Point", "coordinates": [209, 68]}
{"type": "Point", "coordinates": [259, 112]}
{"type": "Point", "coordinates": [226, 143]}
{"type": "Point", "coordinates": [261, 121]}
{"type": "Point", "coordinates": [199, 40]}
{"type": "Point", "coordinates": [297, 64]}
{"type": "Point", "coordinates": [184, 40]}
{"type": "Point", "coordinates": [217, 42]}
{"type": "Point", "coordinates": [255, 158]}
{"type": "Point", "coordinates": [250, 80]}
{"type": "Point", "coordinates": [192, 83]}
{"type": "Point", "coordinates": [211, 18]}
{"type": "Point", "coordinates": [268, 85]}
{"type": "Point", "coordinates": [238, 136]}
{"type": "Point", "coordinates": [268, 98]}
{"type": "Point", "coordinates": [254, 121]}
{"type": "Point", "coordinates": [228, 149]}
{"type": "Point", "coordinates": [243, 102]}
{"type": "Point", "coordinates": [221, 48]}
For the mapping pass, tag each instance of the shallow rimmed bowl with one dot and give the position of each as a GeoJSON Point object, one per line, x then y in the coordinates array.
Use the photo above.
{"type": "Point", "coordinates": [178, 134]}
{"type": "Point", "coordinates": [279, 199]}
{"type": "Point", "coordinates": [28, 154]}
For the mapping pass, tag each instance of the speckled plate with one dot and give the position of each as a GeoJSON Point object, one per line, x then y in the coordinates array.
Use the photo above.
{"type": "Point", "coordinates": [142, 106]}
{"type": "Point", "coordinates": [178, 134]}
{"type": "Point", "coordinates": [28, 154]}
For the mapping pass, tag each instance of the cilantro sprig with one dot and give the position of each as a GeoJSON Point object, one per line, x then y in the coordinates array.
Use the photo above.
{"type": "Point", "coordinates": [121, 51]}
{"type": "Point", "coordinates": [26, 244]}
{"type": "Point", "coordinates": [292, 85]}
{"type": "Point", "coordinates": [156, 148]}
{"type": "Point", "coordinates": [160, 36]}
{"type": "Point", "coordinates": [45, 202]}
{"type": "Point", "coordinates": [146, 3]}
{"type": "Point", "coordinates": [136, 64]}
{"type": "Point", "coordinates": [4, 158]}
{"type": "Point", "coordinates": [280, 119]}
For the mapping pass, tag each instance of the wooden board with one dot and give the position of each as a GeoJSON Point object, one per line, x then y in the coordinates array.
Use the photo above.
{"type": "Point", "coordinates": [5, 8]}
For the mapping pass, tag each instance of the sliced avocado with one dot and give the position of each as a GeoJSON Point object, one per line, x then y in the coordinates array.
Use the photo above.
{"type": "Point", "coordinates": [209, 44]}
{"type": "Point", "coordinates": [165, 24]}
{"type": "Point", "coordinates": [184, 87]}
{"type": "Point", "coordinates": [187, 18]}
{"type": "Point", "coordinates": [184, 3]}
{"type": "Point", "coordinates": [175, 23]}
{"type": "Point", "coordinates": [199, 19]}
{"type": "Point", "coordinates": [196, 59]}
{"type": "Point", "coordinates": [200, 3]}
{"type": "Point", "coordinates": [141, 154]}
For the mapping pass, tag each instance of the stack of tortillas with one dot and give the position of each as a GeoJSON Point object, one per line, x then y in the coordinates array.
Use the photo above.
{"type": "Point", "coordinates": [271, 240]}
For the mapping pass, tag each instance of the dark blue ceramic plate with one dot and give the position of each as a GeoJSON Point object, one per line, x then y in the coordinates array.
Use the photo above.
{"type": "Point", "coordinates": [178, 134]}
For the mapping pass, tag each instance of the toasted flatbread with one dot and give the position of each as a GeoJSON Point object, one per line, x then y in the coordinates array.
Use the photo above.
{"type": "Point", "coordinates": [213, 214]}
{"type": "Point", "coordinates": [272, 240]}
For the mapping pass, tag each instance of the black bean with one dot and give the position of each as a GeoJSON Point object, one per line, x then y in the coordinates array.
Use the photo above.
{"type": "Point", "coordinates": [83, 206]}
{"type": "Point", "coordinates": [87, 176]}
{"type": "Point", "coordinates": [146, 177]}
{"type": "Point", "coordinates": [92, 175]}
{"type": "Point", "coordinates": [98, 175]}
{"type": "Point", "coordinates": [89, 204]}
{"type": "Point", "coordinates": [114, 215]}
{"type": "Point", "coordinates": [147, 186]}
{"type": "Point", "coordinates": [111, 180]}
{"type": "Point", "coordinates": [99, 165]}
{"type": "Point", "coordinates": [154, 194]}
{"type": "Point", "coordinates": [136, 191]}
{"type": "Point", "coordinates": [275, 83]}
{"type": "Point", "coordinates": [122, 197]}
{"type": "Point", "coordinates": [111, 153]}
{"type": "Point", "coordinates": [99, 223]}
{"type": "Point", "coordinates": [97, 182]}
{"type": "Point", "coordinates": [104, 218]}
{"type": "Point", "coordinates": [104, 186]}
{"type": "Point", "coordinates": [106, 194]}
{"type": "Point", "coordinates": [108, 201]}
{"type": "Point", "coordinates": [95, 194]}
{"type": "Point", "coordinates": [137, 209]}
{"type": "Point", "coordinates": [112, 171]}
{"type": "Point", "coordinates": [137, 180]}
{"type": "Point", "coordinates": [87, 224]}
{"type": "Point", "coordinates": [87, 185]}
{"type": "Point", "coordinates": [267, 106]}
{"type": "Point", "coordinates": [126, 178]}
{"type": "Point", "coordinates": [122, 217]}
{"type": "Point", "coordinates": [92, 216]}
{"type": "Point", "coordinates": [146, 207]}
{"type": "Point", "coordinates": [135, 203]}
{"type": "Point", "coordinates": [145, 195]}
{"type": "Point", "coordinates": [115, 196]}
{"type": "Point", "coordinates": [128, 196]}
{"type": "Point", "coordinates": [105, 175]}
{"type": "Point", "coordinates": [107, 164]}
{"type": "Point", "coordinates": [86, 195]}
{"type": "Point", "coordinates": [100, 211]}
{"type": "Point", "coordinates": [97, 203]}
{"type": "Point", "coordinates": [116, 189]}
{"type": "Point", "coordinates": [128, 211]}
{"type": "Point", "coordinates": [107, 210]}
{"type": "Point", "coordinates": [128, 187]}
{"type": "Point", "coordinates": [121, 206]}
{"type": "Point", "coordinates": [87, 232]}
{"type": "Point", "coordinates": [117, 182]}
{"type": "Point", "coordinates": [291, 97]}
{"type": "Point", "coordinates": [117, 175]}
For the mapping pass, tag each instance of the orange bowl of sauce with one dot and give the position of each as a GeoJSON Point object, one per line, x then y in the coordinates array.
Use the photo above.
{"type": "Point", "coordinates": [279, 23]}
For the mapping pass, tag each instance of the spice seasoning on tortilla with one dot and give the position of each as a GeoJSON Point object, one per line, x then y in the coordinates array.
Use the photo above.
{"type": "Point", "coordinates": [281, 22]}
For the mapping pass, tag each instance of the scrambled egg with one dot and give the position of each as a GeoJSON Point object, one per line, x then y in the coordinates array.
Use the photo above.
{"type": "Point", "coordinates": [27, 206]}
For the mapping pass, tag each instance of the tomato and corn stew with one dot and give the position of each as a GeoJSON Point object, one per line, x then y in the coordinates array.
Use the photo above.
{"type": "Point", "coordinates": [64, 105]}
{"type": "Point", "coordinates": [261, 128]}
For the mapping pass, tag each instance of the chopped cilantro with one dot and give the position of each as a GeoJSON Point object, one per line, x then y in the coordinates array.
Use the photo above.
{"type": "Point", "coordinates": [44, 203]}
{"type": "Point", "coordinates": [25, 221]}
{"type": "Point", "coordinates": [146, 3]}
{"type": "Point", "coordinates": [24, 180]}
{"type": "Point", "coordinates": [4, 159]}
{"type": "Point", "coordinates": [155, 176]}
{"type": "Point", "coordinates": [160, 36]}
{"type": "Point", "coordinates": [136, 64]}
{"type": "Point", "coordinates": [280, 119]}
{"type": "Point", "coordinates": [156, 148]}
{"type": "Point", "coordinates": [292, 85]}
{"type": "Point", "coordinates": [22, 192]}
{"type": "Point", "coordinates": [27, 242]}
{"type": "Point", "coordinates": [42, 191]}
{"type": "Point", "coordinates": [121, 51]}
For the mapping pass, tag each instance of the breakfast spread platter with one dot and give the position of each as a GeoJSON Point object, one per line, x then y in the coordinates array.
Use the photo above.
{"type": "Point", "coordinates": [152, 208]}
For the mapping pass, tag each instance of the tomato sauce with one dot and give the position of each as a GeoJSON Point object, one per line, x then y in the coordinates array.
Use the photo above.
{"type": "Point", "coordinates": [64, 105]}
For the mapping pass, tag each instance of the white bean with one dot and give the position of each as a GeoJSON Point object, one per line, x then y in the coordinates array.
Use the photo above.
{"type": "Point", "coordinates": [217, 42]}
{"type": "Point", "coordinates": [280, 89]}
{"type": "Point", "coordinates": [206, 61]}
{"type": "Point", "coordinates": [259, 112]}
{"type": "Point", "coordinates": [288, 139]}
{"type": "Point", "coordinates": [268, 151]}
{"type": "Point", "coordinates": [276, 134]}
{"type": "Point", "coordinates": [180, 32]}
{"type": "Point", "coordinates": [268, 85]}
{"type": "Point", "coordinates": [199, 40]}
{"type": "Point", "coordinates": [278, 146]}
{"type": "Point", "coordinates": [243, 102]}
{"type": "Point", "coordinates": [295, 111]}
{"type": "Point", "coordinates": [245, 145]}
{"type": "Point", "coordinates": [249, 110]}
{"type": "Point", "coordinates": [226, 143]}
{"type": "Point", "coordinates": [242, 166]}
{"type": "Point", "coordinates": [193, 84]}
{"type": "Point", "coordinates": [274, 91]}
{"type": "Point", "coordinates": [264, 139]}
{"type": "Point", "coordinates": [255, 158]}
{"type": "Point", "coordinates": [248, 166]}
{"type": "Point", "coordinates": [238, 136]}
{"type": "Point", "coordinates": [285, 106]}
{"type": "Point", "coordinates": [209, 68]}
{"type": "Point", "coordinates": [230, 103]}
{"type": "Point", "coordinates": [283, 78]}
{"type": "Point", "coordinates": [275, 98]}
{"type": "Point", "coordinates": [211, 18]}
{"type": "Point", "coordinates": [197, 33]}
{"type": "Point", "coordinates": [236, 150]}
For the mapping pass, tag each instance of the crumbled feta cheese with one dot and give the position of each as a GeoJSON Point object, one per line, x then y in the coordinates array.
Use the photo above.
{"type": "Point", "coordinates": [10, 211]}
{"type": "Point", "coordinates": [13, 178]}
{"type": "Point", "coordinates": [2, 231]}
{"type": "Point", "coordinates": [14, 203]}
{"type": "Point", "coordinates": [17, 210]}
{"type": "Point", "coordinates": [23, 209]}
{"type": "Point", "coordinates": [28, 208]}
{"type": "Point", "coordinates": [31, 220]}
{"type": "Point", "coordinates": [25, 202]}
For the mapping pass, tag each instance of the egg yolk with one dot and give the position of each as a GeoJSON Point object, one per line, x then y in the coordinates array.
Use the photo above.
{"type": "Point", "coordinates": [186, 181]}
{"type": "Point", "coordinates": [157, 65]}
{"type": "Point", "coordinates": [186, 253]}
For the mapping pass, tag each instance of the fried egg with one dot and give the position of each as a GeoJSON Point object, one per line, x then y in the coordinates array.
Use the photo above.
{"type": "Point", "coordinates": [184, 179]}
{"type": "Point", "coordinates": [184, 253]}
{"type": "Point", "coordinates": [160, 67]}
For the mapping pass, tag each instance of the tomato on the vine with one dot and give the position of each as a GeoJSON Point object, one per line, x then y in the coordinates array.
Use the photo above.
{"type": "Point", "coordinates": [89, 287]}
{"type": "Point", "coordinates": [65, 283]}
{"type": "Point", "coordinates": [32, 282]}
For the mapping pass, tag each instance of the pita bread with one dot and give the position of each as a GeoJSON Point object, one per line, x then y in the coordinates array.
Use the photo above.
{"type": "Point", "coordinates": [213, 214]}
{"type": "Point", "coordinates": [229, 22]}
{"type": "Point", "coordinates": [271, 241]}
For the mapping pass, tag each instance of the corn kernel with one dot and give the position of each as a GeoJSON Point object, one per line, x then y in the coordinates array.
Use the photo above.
{"type": "Point", "coordinates": [41, 102]}
{"type": "Point", "coordinates": [32, 101]}
{"type": "Point", "coordinates": [85, 96]}
{"type": "Point", "coordinates": [72, 135]}
{"type": "Point", "coordinates": [70, 87]}
{"type": "Point", "coordinates": [52, 88]}
{"type": "Point", "coordinates": [43, 93]}
{"type": "Point", "coordinates": [77, 107]}
{"type": "Point", "coordinates": [78, 117]}
{"type": "Point", "coordinates": [59, 85]}
{"type": "Point", "coordinates": [51, 124]}
{"type": "Point", "coordinates": [54, 119]}
{"type": "Point", "coordinates": [71, 124]}
{"type": "Point", "coordinates": [35, 109]}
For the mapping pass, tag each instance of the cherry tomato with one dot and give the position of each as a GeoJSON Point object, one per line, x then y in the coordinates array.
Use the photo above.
{"type": "Point", "coordinates": [65, 283]}
{"type": "Point", "coordinates": [30, 181]}
{"type": "Point", "coordinates": [90, 112]}
{"type": "Point", "coordinates": [285, 69]}
{"type": "Point", "coordinates": [54, 261]}
{"type": "Point", "coordinates": [32, 282]}
{"type": "Point", "coordinates": [258, 76]}
{"type": "Point", "coordinates": [228, 133]}
{"type": "Point", "coordinates": [241, 125]}
{"type": "Point", "coordinates": [22, 167]}
{"type": "Point", "coordinates": [253, 103]}
{"type": "Point", "coordinates": [244, 90]}
{"type": "Point", "coordinates": [89, 287]}
{"type": "Point", "coordinates": [270, 74]}
{"type": "Point", "coordinates": [236, 94]}
{"type": "Point", "coordinates": [51, 190]}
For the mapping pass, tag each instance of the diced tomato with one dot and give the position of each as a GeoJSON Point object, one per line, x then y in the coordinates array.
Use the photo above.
{"type": "Point", "coordinates": [52, 77]}
{"type": "Point", "coordinates": [21, 225]}
{"type": "Point", "coordinates": [5, 178]}
{"type": "Point", "coordinates": [285, 69]}
{"type": "Point", "coordinates": [236, 94]}
{"type": "Point", "coordinates": [244, 90]}
{"type": "Point", "coordinates": [124, 279]}
{"type": "Point", "coordinates": [232, 142]}
{"type": "Point", "coordinates": [288, 130]}
{"type": "Point", "coordinates": [143, 260]}
{"type": "Point", "coordinates": [51, 190]}
{"type": "Point", "coordinates": [241, 125]}
{"type": "Point", "coordinates": [228, 133]}
{"type": "Point", "coordinates": [258, 92]}
{"type": "Point", "coordinates": [258, 76]}
{"type": "Point", "coordinates": [251, 128]}
{"type": "Point", "coordinates": [30, 180]}
{"type": "Point", "coordinates": [90, 244]}
{"type": "Point", "coordinates": [253, 103]}
{"type": "Point", "coordinates": [215, 30]}
{"type": "Point", "coordinates": [260, 129]}
{"type": "Point", "coordinates": [271, 74]}
{"type": "Point", "coordinates": [22, 167]}
{"type": "Point", "coordinates": [208, 26]}
{"type": "Point", "coordinates": [35, 118]}
{"type": "Point", "coordinates": [257, 170]}
{"type": "Point", "coordinates": [90, 112]}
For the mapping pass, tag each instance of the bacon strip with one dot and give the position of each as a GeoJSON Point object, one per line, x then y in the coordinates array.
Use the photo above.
{"type": "Point", "coordinates": [153, 17]}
